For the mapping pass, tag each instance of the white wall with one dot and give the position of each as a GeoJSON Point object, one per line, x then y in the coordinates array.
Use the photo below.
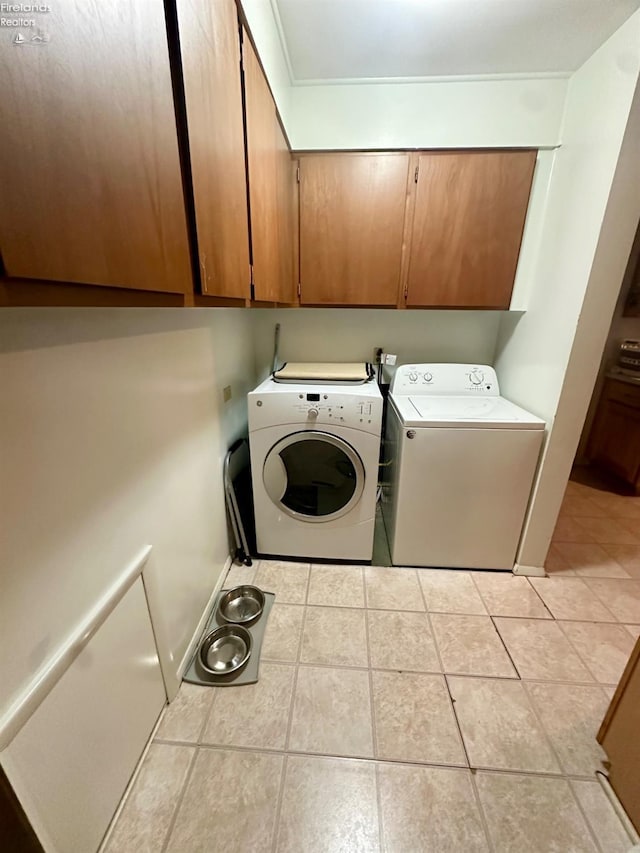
{"type": "Point", "coordinates": [264, 30]}
{"type": "Point", "coordinates": [112, 436]}
{"type": "Point", "coordinates": [469, 114]}
{"type": "Point", "coordinates": [338, 334]}
{"type": "Point", "coordinates": [547, 358]}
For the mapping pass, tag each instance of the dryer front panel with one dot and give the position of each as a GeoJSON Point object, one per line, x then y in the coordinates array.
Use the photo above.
{"type": "Point", "coordinates": [313, 476]}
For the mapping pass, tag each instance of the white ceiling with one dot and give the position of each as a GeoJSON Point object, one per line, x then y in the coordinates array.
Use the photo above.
{"type": "Point", "coordinates": [336, 40]}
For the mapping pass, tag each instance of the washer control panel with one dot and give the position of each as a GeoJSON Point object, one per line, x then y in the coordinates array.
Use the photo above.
{"type": "Point", "coordinates": [445, 379]}
{"type": "Point", "coordinates": [312, 406]}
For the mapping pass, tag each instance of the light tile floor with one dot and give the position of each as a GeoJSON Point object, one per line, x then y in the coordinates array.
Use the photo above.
{"type": "Point", "coordinates": [409, 710]}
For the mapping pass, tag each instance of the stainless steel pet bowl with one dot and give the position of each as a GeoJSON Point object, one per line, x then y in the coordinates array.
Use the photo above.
{"type": "Point", "coordinates": [226, 649]}
{"type": "Point", "coordinates": [242, 604]}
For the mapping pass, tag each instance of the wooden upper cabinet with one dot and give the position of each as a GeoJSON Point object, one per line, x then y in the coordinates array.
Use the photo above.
{"type": "Point", "coordinates": [210, 49]}
{"type": "Point", "coordinates": [470, 209]}
{"type": "Point", "coordinates": [270, 187]}
{"type": "Point", "coordinates": [287, 202]}
{"type": "Point", "coordinates": [90, 176]}
{"type": "Point", "coordinates": [351, 225]}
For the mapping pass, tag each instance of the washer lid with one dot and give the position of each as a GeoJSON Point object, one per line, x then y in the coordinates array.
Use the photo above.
{"type": "Point", "coordinates": [464, 412]}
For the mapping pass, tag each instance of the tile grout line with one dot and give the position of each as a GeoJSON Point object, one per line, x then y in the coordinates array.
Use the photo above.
{"type": "Point", "coordinates": [351, 668]}
{"type": "Point", "coordinates": [550, 618]}
{"type": "Point", "coordinates": [585, 817]}
{"type": "Point", "coordinates": [483, 817]}
{"type": "Point", "coordinates": [297, 665]}
{"type": "Point", "coordinates": [543, 729]}
{"type": "Point", "coordinates": [364, 582]}
{"type": "Point", "coordinates": [575, 648]}
{"type": "Point", "coordinates": [616, 560]}
{"type": "Point", "coordinates": [506, 648]}
{"type": "Point", "coordinates": [602, 601]}
{"type": "Point", "coordinates": [179, 801]}
{"type": "Point", "coordinates": [538, 596]}
{"type": "Point", "coordinates": [614, 618]}
{"type": "Point", "coordinates": [403, 762]}
{"type": "Point", "coordinates": [452, 704]}
{"type": "Point", "coordinates": [374, 735]}
{"type": "Point", "coordinates": [479, 591]}
{"type": "Point", "coordinates": [276, 824]}
{"type": "Point", "coordinates": [207, 716]}
{"type": "Point", "coordinates": [335, 756]}
{"type": "Point", "coordinates": [381, 840]}
{"type": "Point", "coordinates": [430, 624]}
{"type": "Point", "coordinates": [374, 730]}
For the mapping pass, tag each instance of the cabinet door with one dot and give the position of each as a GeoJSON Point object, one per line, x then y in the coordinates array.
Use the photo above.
{"type": "Point", "coordinates": [351, 225]}
{"type": "Point", "coordinates": [90, 173]}
{"type": "Point", "coordinates": [287, 209]}
{"type": "Point", "coordinates": [469, 216]}
{"type": "Point", "coordinates": [615, 440]}
{"type": "Point", "coordinates": [619, 738]}
{"type": "Point", "coordinates": [210, 47]}
{"type": "Point", "coordinates": [270, 187]}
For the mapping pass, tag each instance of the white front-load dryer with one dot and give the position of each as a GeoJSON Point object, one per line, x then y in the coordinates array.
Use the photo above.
{"type": "Point", "coordinates": [314, 467]}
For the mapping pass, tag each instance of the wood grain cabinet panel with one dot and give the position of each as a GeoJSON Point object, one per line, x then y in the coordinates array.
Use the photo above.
{"type": "Point", "coordinates": [351, 227]}
{"type": "Point", "coordinates": [614, 441]}
{"type": "Point", "coordinates": [618, 735]}
{"type": "Point", "coordinates": [270, 187]}
{"type": "Point", "coordinates": [470, 210]}
{"type": "Point", "coordinates": [287, 213]}
{"type": "Point", "coordinates": [90, 174]}
{"type": "Point", "coordinates": [210, 49]}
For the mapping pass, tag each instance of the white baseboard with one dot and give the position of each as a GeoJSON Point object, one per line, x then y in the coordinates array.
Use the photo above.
{"type": "Point", "coordinates": [529, 571]}
{"type": "Point", "coordinates": [203, 619]}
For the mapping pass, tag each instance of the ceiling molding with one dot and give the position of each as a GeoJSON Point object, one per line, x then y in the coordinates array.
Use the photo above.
{"type": "Point", "coordinates": [454, 78]}
{"type": "Point", "coordinates": [283, 41]}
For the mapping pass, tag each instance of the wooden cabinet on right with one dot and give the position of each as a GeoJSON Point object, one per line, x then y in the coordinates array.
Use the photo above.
{"type": "Point", "coordinates": [619, 738]}
{"type": "Point", "coordinates": [351, 223]}
{"type": "Point", "coordinates": [470, 209]}
{"type": "Point", "coordinates": [437, 229]}
{"type": "Point", "coordinates": [614, 442]}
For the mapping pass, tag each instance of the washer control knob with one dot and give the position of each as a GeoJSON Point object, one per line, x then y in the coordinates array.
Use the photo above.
{"type": "Point", "coordinates": [476, 376]}
{"type": "Point", "coordinates": [428, 377]}
{"type": "Point", "coordinates": [312, 413]}
{"type": "Point", "coordinates": [413, 377]}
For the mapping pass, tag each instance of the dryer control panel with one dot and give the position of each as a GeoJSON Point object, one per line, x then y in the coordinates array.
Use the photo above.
{"type": "Point", "coordinates": [478, 380]}
{"type": "Point", "coordinates": [273, 404]}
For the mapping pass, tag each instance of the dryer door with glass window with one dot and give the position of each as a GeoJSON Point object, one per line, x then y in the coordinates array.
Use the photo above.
{"type": "Point", "coordinates": [313, 476]}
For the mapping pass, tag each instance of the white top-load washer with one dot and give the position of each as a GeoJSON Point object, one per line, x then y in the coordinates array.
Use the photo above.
{"type": "Point", "coordinates": [314, 464]}
{"type": "Point", "coordinates": [459, 466]}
